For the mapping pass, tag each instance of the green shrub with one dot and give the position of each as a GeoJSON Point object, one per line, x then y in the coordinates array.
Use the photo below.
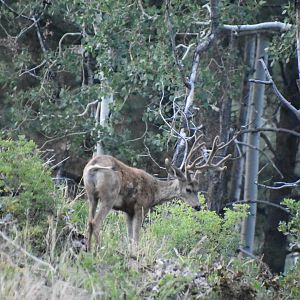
{"type": "Point", "coordinates": [292, 227]}
{"type": "Point", "coordinates": [290, 284]}
{"type": "Point", "coordinates": [26, 187]}
{"type": "Point", "coordinates": [182, 228]}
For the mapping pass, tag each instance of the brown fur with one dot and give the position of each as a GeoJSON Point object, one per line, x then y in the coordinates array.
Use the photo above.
{"type": "Point", "coordinates": [114, 185]}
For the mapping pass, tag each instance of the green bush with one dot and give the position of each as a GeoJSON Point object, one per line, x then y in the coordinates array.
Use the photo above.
{"type": "Point", "coordinates": [292, 227]}
{"type": "Point", "coordinates": [182, 228]}
{"type": "Point", "coordinates": [290, 285]}
{"type": "Point", "coordinates": [26, 187]}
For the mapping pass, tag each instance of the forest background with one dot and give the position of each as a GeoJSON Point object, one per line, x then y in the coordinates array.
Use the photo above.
{"type": "Point", "coordinates": [135, 79]}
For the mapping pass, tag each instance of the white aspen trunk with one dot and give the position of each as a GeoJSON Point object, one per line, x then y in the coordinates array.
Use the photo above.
{"type": "Point", "coordinates": [252, 155]}
{"type": "Point", "coordinates": [238, 166]}
{"type": "Point", "coordinates": [101, 117]}
{"type": "Point", "coordinates": [297, 5]}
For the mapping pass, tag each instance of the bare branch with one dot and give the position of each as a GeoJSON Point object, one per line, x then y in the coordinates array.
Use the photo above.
{"type": "Point", "coordinates": [267, 156]}
{"type": "Point", "coordinates": [143, 11]}
{"type": "Point", "coordinates": [257, 28]}
{"type": "Point", "coordinates": [35, 24]}
{"type": "Point", "coordinates": [163, 118]}
{"type": "Point", "coordinates": [63, 37]}
{"type": "Point", "coordinates": [268, 143]}
{"type": "Point", "coordinates": [281, 98]}
{"type": "Point", "coordinates": [188, 48]}
{"type": "Point", "coordinates": [39, 34]}
{"type": "Point", "coordinates": [289, 131]}
{"type": "Point", "coordinates": [141, 137]}
{"type": "Point", "coordinates": [260, 81]}
{"type": "Point", "coordinates": [62, 137]}
{"type": "Point", "coordinates": [26, 29]}
{"type": "Point", "coordinates": [87, 108]}
{"type": "Point", "coordinates": [15, 12]}
{"type": "Point", "coordinates": [33, 69]}
{"type": "Point", "coordinates": [259, 201]}
{"type": "Point", "coordinates": [240, 249]}
{"type": "Point", "coordinates": [281, 185]}
{"type": "Point", "coordinates": [59, 163]}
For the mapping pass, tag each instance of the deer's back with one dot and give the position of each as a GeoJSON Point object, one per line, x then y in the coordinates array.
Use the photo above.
{"type": "Point", "coordinates": [135, 186]}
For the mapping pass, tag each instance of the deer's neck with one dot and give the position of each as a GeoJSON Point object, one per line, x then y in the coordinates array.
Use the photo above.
{"type": "Point", "coordinates": [166, 191]}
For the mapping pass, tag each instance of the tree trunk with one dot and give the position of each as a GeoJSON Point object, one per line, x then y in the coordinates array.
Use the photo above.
{"type": "Point", "coordinates": [238, 165]}
{"type": "Point", "coordinates": [101, 119]}
{"type": "Point", "coordinates": [252, 154]}
{"type": "Point", "coordinates": [275, 244]}
{"type": "Point", "coordinates": [297, 6]}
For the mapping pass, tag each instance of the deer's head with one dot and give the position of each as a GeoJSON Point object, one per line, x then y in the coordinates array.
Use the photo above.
{"type": "Point", "coordinates": [198, 160]}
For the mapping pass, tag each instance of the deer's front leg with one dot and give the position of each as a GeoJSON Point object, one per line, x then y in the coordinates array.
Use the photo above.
{"type": "Point", "coordinates": [136, 227]}
{"type": "Point", "coordinates": [129, 219]}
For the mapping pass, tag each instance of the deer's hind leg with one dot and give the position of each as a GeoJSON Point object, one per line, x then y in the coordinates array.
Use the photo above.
{"type": "Point", "coordinates": [93, 201]}
{"type": "Point", "coordinates": [105, 206]}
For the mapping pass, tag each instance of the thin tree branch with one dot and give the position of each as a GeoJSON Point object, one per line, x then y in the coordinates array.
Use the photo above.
{"type": "Point", "coordinates": [257, 28]}
{"type": "Point", "coordinates": [267, 156]}
{"type": "Point", "coordinates": [87, 108]}
{"type": "Point", "coordinates": [289, 131]}
{"type": "Point", "coordinates": [59, 163]}
{"type": "Point", "coordinates": [141, 137]}
{"type": "Point", "coordinates": [242, 250]}
{"type": "Point", "coordinates": [268, 143]}
{"type": "Point", "coordinates": [63, 136]}
{"type": "Point", "coordinates": [63, 37]}
{"type": "Point", "coordinates": [15, 12]}
{"type": "Point", "coordinates": [143, 11]}
{"type": "Point", "coordinates": [258, 201]}
{"type": "Point", "coordinates": [282, 185]}
{"type": "Point", "coordinates": [33, 69]}
{"type": "Point", "coordinates": [260, 81]}
{"type": "Point", "coordinates": [39, 35]}
{"type": "Point", "coordinates": [26, 29]}
{"type": "Point", "coordinates": [281, 98]}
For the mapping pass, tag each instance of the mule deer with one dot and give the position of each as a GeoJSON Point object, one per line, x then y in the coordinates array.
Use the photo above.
{"type": "Point", "coordinates": [117, 186]}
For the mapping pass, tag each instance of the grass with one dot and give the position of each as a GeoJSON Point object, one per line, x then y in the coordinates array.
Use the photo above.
{"type": "Point", "coordinates": [168, 265]}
